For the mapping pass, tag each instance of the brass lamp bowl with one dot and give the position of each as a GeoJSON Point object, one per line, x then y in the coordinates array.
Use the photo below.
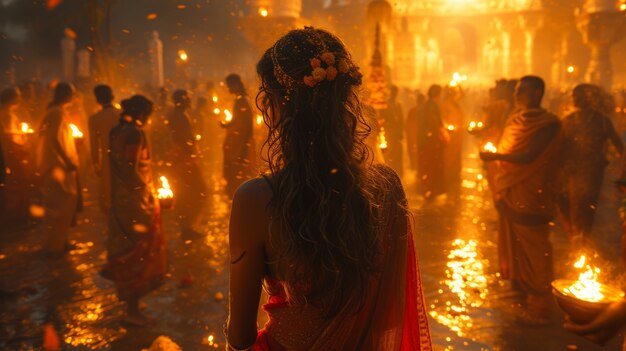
{"type": "Point", "coordinates": [581, 311]}
{"type": "Point", "coordinates": [166, 203]}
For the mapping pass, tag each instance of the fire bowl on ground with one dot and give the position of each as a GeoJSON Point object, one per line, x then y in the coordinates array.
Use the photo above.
{"type": "Point", "coordinates": [581, 311]}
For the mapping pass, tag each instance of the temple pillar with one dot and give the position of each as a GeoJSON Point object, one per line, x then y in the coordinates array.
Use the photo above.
{"type": "Point", "coordinates": [530, 23]}
{"type": "Point", "coordinates": [600, 30]}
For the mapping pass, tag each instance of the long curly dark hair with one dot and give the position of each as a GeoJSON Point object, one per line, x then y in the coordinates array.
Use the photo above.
{"type": "Point", "coordinates": [322, 205]}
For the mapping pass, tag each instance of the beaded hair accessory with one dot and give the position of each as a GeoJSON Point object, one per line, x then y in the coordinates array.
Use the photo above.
{"type": "Point", "coordinates": [324, 66]}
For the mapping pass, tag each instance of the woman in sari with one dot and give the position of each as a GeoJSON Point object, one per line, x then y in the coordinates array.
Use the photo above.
{"type": "Point", "coordinates": [136, 248]}
{"type": "Point", "coordinates": [325, 232]}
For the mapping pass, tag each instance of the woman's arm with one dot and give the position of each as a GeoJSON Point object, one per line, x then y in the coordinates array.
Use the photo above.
{"type": "Point", "coordinates": [247, 265]}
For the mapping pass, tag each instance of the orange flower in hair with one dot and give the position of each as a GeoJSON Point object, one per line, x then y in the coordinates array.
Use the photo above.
{"type": "Point", "coordinates": [309, 81]}
{"type": "Point", "coordinates": [343, 66]}
{"type": "Point", "coordinates": [315, 63]}
{"type": "Point", "coordinates": [319, 74]}
{"type": "Point", "coordinates": [331, 73]}
{"type": "Point", "coordinates": [329, 58]}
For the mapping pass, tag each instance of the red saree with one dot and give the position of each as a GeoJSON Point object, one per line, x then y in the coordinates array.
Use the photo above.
{"type": "Point", "coordinates": [135, 246]}
{"type": "Point", "coordinates": [393, 316]}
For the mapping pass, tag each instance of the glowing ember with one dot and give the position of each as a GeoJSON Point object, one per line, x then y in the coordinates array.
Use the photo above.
{"type": "Point", "coordinates": [382, 140]}
{"type": "Point", "coordinates": [586, 287]}
{"type": "Point", "coordinates": [26, 128]}
{"type": "Point", "coordinates": [182, 54]}
{"type": "Point", "coordinates": [229, 116]}
{"type": "Point", "coordinates": [259, 119]}
{"type": "Point", "coordinates": [76, 133]}
{"type": "Point", "coordinates": [165, 192]}
{"type": "Point", "coordinates": [263, 12]}
{"type": "Point", "coordinates": [489, 147]}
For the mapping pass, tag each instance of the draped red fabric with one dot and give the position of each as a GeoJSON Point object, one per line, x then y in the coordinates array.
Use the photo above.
{"type": "Point", "coordinates": [393, 316]}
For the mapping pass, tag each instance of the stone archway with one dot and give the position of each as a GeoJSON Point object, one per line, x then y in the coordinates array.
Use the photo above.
{"type": "Point", "coordinates": [458, 43]}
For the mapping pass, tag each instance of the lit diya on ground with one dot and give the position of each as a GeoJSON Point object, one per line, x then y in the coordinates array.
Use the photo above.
{"type": "Point", "coordinates": [165, 194]}
{"type": "Point", "coordinates": [585, 298]}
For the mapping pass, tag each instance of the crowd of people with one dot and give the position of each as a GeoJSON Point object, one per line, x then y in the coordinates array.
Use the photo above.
{"type": "Point", "coordinates": [325, 230]}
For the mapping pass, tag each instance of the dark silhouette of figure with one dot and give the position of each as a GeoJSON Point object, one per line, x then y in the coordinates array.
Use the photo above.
{"type": "Point", "coordinates": [135, 245]}
{"type": "Point", "coordinates": [586, 134]}
{"type": "Point", "coordinates": [187, 182]}
{"type": "Point", "coordinates": [432, 138]}
{"type": "Point", "coordinates": [239, 148]}
{"type": "Point", "coordinates": [525, 194]}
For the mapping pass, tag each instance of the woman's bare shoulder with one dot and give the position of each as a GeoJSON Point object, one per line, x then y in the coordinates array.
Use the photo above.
{"type": "Point", "coordinates": [256, 190]}
{"type": "Point", "coordinates": [250, 210]}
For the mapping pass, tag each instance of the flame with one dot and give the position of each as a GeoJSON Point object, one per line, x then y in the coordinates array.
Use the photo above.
{"type": "Point", "coordinates": [198, 137]}
{"type": "Point", "coordinates": [457, 78]}
{"type": "Point", "coordinates": [165, 192]}
{"type": "Point", "coordinates": [570, 69]}
{"type": "Point", "coordinates": [229, 116]}
{"type": "Point", "coordinates": [382, 139]}
{"type": "Point", "coordinates": [182, 54]}
{"type": "Point", "coordinates": [451, 127]}
{"type": "Point", "coordinates": [586, 287]}
{"type": "Point", "coordinates": [489, 147]}
{"type": "Point", "coordinates": [217, 111]}
{"type": "Point", "coordinates": [26, 128]}
{"type": "Point", "coordinates": [214, 98]}
{"type": "Point", "coordinates": [263, 12]}
{"type": "Point", "coordinates": [76, 133]}
{"type": "Point", "coordinates": [259, 119]}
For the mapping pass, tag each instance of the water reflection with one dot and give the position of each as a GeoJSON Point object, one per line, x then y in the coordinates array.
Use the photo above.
{"type": "Point", "coordinates": [467, 280]}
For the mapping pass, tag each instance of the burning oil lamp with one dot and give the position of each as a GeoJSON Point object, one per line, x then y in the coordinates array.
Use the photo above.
{"type": "Point", "coordinates": [228, 116]}
{"type": "Point", "coordinates": [182, 55]}
{"type": "Point", "coordinates": [585, 298]}
{"type": "Point", "coordinates": [76, 134]}
{"type": "Point", "coordinates": [475, 126]}
{"type": "Point", "coordinates": [26, 129]}
{"type": "Point", "coordinates": [165, 194]}
{"type": "Point", "coordinates": [489, 147]}
{"type": "Point", "coordinates": [382, 140]}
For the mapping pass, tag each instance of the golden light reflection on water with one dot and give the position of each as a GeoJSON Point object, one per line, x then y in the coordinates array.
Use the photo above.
{"type": "Point", "coordinates": [466, 279]}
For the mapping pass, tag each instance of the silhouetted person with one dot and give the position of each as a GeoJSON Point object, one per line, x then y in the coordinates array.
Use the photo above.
{"type": "Point", "coordinates": [411, 129]}
{"type": "Point", "coordinates": [135, 245]}
{"type": "Point", "coordinates": [525, 198]}
{"type": "Point", "coordinates": [586, 134]}
{"type": "Point", "coordinates": [432, 138]}
{"type": "Point", "coordinates": [100, 124]}
{"type": "Point", "coordinates": [393, 122]}
{"type": "Point", "coordinates": [57, 163]}
{"type": "Point", "coordinates": [239, 154]}
{"type": "Point", "coordinates": [188, 184]}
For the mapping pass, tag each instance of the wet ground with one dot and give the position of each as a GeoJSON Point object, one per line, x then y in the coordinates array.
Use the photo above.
{"type": "Point", "coordinates": [456, 240]}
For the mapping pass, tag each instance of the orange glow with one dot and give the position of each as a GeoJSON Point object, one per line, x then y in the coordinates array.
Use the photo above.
{"type": "Point", "coordinates": [571, 69]}
{"type": "Point", "coordinates": [165, 192]}
{"type": "Point", "coordinates": [182, 54]}
{"type": "Point", "coordinates": [489, 147]}
{"type": "Point", "coordinates": [76, 133]}
{"type": "Point", "coordinates": [152, 16]}
{"type": "Point", "coordinates": [229, 116]}
{"type": "Point", "coordinates": [259, 119]}
{"type": "Point", "coordinates": [451, 127]}
{"type": "Point", "coordinates": [382, 139]}
{"type": "Point", "coordinates": [214, 98]}
{"type": "Point", "coordinates": [217, 111]}
{"type": "Point", "coordinates": [26, 128]}
{"type": "Point", "coordinates": [263, 12]}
